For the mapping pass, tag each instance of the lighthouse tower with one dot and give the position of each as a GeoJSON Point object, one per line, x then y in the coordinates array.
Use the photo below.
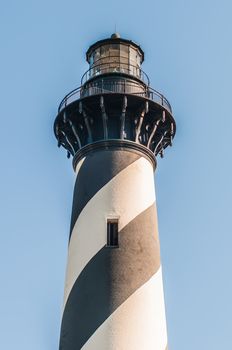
{"type": "Point", "coordinates": [114, 125]}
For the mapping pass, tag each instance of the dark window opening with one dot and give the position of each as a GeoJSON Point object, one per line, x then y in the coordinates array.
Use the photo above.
{"type": "Point", "coordinates": [112, 233]}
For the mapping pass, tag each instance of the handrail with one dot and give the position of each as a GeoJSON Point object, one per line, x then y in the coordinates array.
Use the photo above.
{"type": "Point", "coordinates": [164, 101]}
{"type": "Point", "coordinates": [116, 87]}
{"type": "Point", "coordinates": [64, 103]}
{"type": "Point", "coordinates": [119, 67]}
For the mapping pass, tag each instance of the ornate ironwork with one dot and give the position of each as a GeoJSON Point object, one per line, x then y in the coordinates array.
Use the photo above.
{"type": "Point", "coordinates": [114, 102]}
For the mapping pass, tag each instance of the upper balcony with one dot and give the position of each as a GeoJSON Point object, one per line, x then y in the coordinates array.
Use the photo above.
{"type": "Point", "coordinates": [112, 86]}
{"type": "Point", "coordinates": [115, 68]}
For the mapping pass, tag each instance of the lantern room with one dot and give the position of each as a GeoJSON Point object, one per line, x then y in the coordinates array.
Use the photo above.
{"type": "Point", "coordinates": [115, 55]}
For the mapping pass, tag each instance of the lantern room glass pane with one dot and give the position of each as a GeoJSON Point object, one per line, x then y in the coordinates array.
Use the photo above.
{"type": "Point", "coordinates": [124, 51]}
{"type": "Point", "coordinates": [114, 57]}
{"type": "Point", "coordinates": [91, 60]}
{"type": "Point", "coordinates": [133, 56]}
{"type": "Point", "coordinates": [96, 55]}
{"type": "Point", "coordinates": [115, 50]}
{"type": "Point", "coordinates": [139, 59]}
{"type": "Point", "coordinates": [105, 50]}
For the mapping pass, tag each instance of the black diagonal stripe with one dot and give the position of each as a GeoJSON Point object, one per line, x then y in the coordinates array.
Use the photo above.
{"type": "Point", "coordinates": [109, 278]}
{"type": "Point", "coordinates": [97, 169]}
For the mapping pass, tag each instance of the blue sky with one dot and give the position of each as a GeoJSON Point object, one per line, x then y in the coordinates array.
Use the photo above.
{"type": "Point", "coordinates": [188, 57]}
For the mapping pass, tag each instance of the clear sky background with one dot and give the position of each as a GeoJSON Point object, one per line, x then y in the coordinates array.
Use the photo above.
{"type": "Point", "coordinates": [188, 57]}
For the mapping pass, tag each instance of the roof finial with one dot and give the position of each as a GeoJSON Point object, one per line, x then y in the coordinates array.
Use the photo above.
{"type": "Point", "coordinates": [115, 35]}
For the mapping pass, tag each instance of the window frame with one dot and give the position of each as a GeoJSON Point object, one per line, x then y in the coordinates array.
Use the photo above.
{"type": "Point", "coordinates": [112, 233]}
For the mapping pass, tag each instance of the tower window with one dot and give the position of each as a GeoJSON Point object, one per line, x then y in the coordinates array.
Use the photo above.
{"type": "Point", "coordinates": [112, 233]}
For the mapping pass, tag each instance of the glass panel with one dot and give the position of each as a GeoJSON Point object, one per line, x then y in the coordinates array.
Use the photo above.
{"type": "Point", "coordinates": [115, 58]}
{"type": "Point", "coordinates": [133, 54]}
{"type": "Point", "coordinates": [133, 70]}
{"type": "Point", "coordinates": [91, 60]}
{"type": "Point", "coordinates": [139, 58]}
{"type": "Point", "coordinates": [123, 60]}
{"type": "Point", "coordinates": [124, 50]}
{"type": "Point", "coordinates": [95, 71]}
{"type": "Point", "coordinates": [124, 68]}
{"type": "Point", "coordinates": [114, 50]}
{"type": "Point", "coordinates": [114, 46]}
{"type": "Point", "coordinates": [105, 50]}
{"type": "Point", "coordinates": [104, 63]}
{"type": "Point", "coordinates": [96, 55]}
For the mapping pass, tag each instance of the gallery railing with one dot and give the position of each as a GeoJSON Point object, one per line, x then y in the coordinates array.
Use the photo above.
{"type": "Point", "coordinates": [114, 67]}
{"type": "Point", "coordinates": [121, 87]}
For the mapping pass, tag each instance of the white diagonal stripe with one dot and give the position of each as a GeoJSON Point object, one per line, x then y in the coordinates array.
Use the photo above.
{"type": "Point", "coordinates": [128, 194]}
{"type": "Point", "coordinates": [139, 323]}
{"type": "Point", "coordinates": [79, 164]}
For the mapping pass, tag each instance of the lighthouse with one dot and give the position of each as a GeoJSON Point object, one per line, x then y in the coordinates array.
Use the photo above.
{"type": "Point", "coordinates": [114, 125]}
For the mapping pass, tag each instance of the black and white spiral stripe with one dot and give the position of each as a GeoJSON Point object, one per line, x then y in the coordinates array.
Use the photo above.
{"type": "Point", "coordinates": [114, 297]}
